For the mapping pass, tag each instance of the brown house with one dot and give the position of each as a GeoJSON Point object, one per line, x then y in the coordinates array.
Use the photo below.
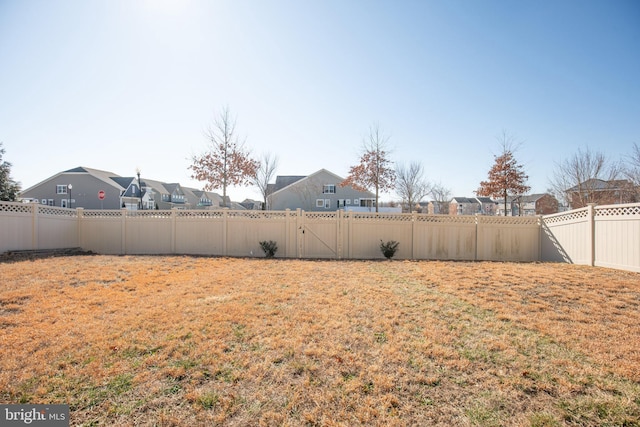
{"type": "Point", "coordinates": [601, 192]}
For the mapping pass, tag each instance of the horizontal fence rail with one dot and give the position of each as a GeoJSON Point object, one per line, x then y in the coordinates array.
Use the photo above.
{"type": "Point", "coordinates": [607, 236]}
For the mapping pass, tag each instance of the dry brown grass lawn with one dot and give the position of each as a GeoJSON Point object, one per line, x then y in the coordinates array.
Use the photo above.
{"type": "Point", "coordinates": [215, 341]}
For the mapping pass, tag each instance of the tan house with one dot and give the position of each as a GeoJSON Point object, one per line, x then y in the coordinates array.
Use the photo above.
{"type": "Point", "coordinates": [320, 191]}
{"type": "Point", "coordinates": [472, 206]}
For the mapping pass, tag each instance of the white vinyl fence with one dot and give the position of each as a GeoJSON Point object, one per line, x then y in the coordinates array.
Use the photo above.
{"type": "Point", "coordinates": [607, 236]}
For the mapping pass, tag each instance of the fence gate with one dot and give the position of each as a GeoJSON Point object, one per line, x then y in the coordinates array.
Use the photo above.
{"type": "Point", "coordinates": [318, 235]}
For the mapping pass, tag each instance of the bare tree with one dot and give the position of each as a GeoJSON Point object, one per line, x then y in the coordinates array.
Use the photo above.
{"type": "Point", "coordinates": [375, 169]}
{"type": "Point", "coordinates": [307, 190]}
{"type": "Point", "coordinates": [441, 196]}
{"type": "Point", "coordinates": [586, 177]}
{"type": "Point", "coordinates": [226, 162]}
{"type": "Point", "coordinates": [411, 185]}
{"type": "Point", "coordinates": [632, 169]}
{"type": "Point", "coordinates": [264, 174]}
{"type": "Point", "coordinates": [506, 177]}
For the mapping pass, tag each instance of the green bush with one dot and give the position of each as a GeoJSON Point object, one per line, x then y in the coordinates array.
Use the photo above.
{"type": "Point", "coordinates": [269, 247]}
{"type": "Point", "coordinates": [389, 248]}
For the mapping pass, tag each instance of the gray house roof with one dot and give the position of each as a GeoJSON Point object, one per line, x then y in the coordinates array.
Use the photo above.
{"type": "Point", "coordinates": [105, 176]}
{"type": "Point", "coordinates": [599, 184]}
{"type": "Point", "coordinates": [285, 181]}
{"type": "Point", "coordinates": [282, 182]}
{"type": "Point", "coordinates": [465, 200]}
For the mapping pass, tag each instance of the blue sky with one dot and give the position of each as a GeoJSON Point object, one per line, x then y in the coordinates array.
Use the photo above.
{"type": "Point", "coordinates": [125, 84]}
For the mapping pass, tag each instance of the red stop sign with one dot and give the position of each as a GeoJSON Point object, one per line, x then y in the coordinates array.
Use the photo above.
{"type": "Point", "coordinates": [101, 195]}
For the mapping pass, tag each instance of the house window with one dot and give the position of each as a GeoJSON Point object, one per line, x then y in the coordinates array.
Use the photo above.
{"type": "Point", "coordinates": [329, 189]}
{"type": "Point", "coordinates": [347, 201]}
{"type": "Point", "coordinates": [327, 203]}
{"type": "Point", "coordinates": [43, 201]}
{"type": "Point", "coordinates": [356, 202]}
{"type": "Point", "coordinates": [51, 202]}
{"type": "Point", "coordinates": [319, 203]}
{"type": "Point", "coordinates": [61, 189]}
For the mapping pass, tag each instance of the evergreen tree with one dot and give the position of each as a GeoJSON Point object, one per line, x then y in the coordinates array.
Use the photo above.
{"type": "Point", "coordinates": [9, 188]}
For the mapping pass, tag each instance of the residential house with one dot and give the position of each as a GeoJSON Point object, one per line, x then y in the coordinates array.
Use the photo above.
{"type": "Point", "coordinates": [487, 206]}
{"type": "Point", "coordinates": [601, 192]}
{"type": "Point", "coordinates": [529, 205]}
{"type": "Point", "coordinates": [201, 199]}
{"type": "Point", "coordinates": [320, 191]}
{"type": "Point", "coordinates": [464, 206]}
{"type": "Point", "coordinates": [435, 207]}
{"type": "Point", "coordinates": [252, 205]}
{"type": "Point", "coordinates": [136, 195]}
{"type": "Point", "coordinates": [81, 186]}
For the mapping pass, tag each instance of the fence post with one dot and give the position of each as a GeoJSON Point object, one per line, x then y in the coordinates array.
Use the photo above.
{"type": "Point", "coordinates": [287, 232]}
{"type": "Point", "coordinates": [123, 231]}
{"type": "Point", "coordinates": [339, 234]}
{"type": "Point", "coordinates": [350, 234]}
{"type": "Point", "coordinates": [225, 211]}
{"type": "Point", "coordinates": [475, 250]}
{"type": "Point", "coordinates": [34, 226]}
{"type": "Point", "coordinates": [299, 232]}
{"type": "Point", "coordinates": [79, 217]}
{"type": "Point", "coordinates": [592, 233]}
{"type": "Point", "coordinates": [540, 232]}
{"type": "Point", "coordinates": [414, 217]}
{"type": "Point", "coordinates": [174, 214]}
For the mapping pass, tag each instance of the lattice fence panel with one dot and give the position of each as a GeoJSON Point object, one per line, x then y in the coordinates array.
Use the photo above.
{"type": "Point", "coordinates": [508, 220]}
{"type": "Point", "coordinates": [320, 216]}
{"type": "Point", "coordinates": [446, 219]}
{"type": "Point", "coordinates": [383, 218]}
{"type": "Point", "coordinates": [623, 210]}
{"type": "Point", "coordinates": [569, 216]}
{"type": "Point", "coordinates": [142, 215]}
{"type": "Point", "coordinates": [16, 208]}
{"type": "Point", "coordinates": [60, 212]}
{"type": "Point", "coordinates": [197, 214]}
{"type": "Point", "coordinates": [101, 214]}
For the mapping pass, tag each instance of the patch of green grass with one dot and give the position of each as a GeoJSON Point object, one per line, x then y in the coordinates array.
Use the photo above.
{"type": "Point", "coordinates": [120, 384]}
{"type": "Point", "coordinates": [207, 400]}
{"type": "Point", "coordinates": [543, 419]}
{"type": "Point", "coordinates": [601, 411]}
{"type": "Point", "coordinates": [480, 415]}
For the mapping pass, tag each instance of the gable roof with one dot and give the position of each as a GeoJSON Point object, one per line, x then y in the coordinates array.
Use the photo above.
{"type": "Point", "coordinates": [105, 176]}
{"type": "Point", "coordinates": [291, 180]}
{"type": "Point", "coordinates": [529, 198]}
{"type": "Point", "coordinates": [465, 200]}
{"type": "Point", "coordinates": [599, 184]}
{"type": "Point", "coordinates": [484, 200]}
{"type": "Point", "coordinates": [285, 181]}
{"type": "Point", "coordinates": [156, 185]}
{"type": "Point", "coordinates": [173, 187]}
{"type": "Point", "coordinates": [123, 182]}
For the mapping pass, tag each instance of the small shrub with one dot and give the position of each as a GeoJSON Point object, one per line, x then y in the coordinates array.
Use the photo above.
{"type": "Point", "coordinates": [389, 248]}
{"type": "Point", "coordinates": [269, 247]}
